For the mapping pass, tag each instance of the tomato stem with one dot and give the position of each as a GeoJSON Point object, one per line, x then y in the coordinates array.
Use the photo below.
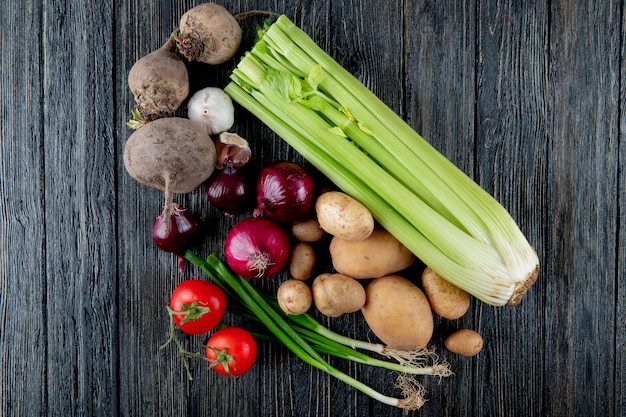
{"type": "Point", "coordinates": [223, 358]}
{"type": "Point", "coordinates": [184, 353]}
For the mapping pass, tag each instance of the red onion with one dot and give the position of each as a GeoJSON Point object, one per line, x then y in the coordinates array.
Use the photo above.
{"type": "Point", "coordinates": [256, 247]}
{"type": "Point", "coordinates": [228, 189]}
{"type": "Point", "coordinates": [285, 192]}
{"type": "Point", "coordinates": [176, 231]}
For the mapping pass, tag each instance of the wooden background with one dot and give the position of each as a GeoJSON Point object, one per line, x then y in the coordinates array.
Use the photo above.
{"type": "Point", "coordinates": [527, 98]}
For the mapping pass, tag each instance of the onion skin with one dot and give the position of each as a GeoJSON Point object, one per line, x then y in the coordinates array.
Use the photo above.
{"type": "Point", "coordinates": [285, 192]}
{"type": "Point", "coordinates": [176, 233]}
{"type": "Point", "coordinates": [257, 247]}
{"type": "Point", "coordinates": [228, 190]}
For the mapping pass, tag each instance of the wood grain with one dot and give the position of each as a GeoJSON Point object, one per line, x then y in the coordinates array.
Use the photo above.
{"type": "Point", "coordinates": [23, 266]}
{"type": "Point", "coordinates": [583, 212]}
{"type": "Point", "coordinates": [528, 99]}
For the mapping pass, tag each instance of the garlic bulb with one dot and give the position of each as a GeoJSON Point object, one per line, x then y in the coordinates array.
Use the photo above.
{"type": "Point", "coordinates": [213, 109]}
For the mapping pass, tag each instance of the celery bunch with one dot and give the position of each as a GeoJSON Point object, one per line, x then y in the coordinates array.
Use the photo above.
{"type": "Point", "coordinates": [352, 137]}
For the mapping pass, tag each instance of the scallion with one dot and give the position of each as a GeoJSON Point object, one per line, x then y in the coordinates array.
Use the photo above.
{"type": "Point", "coordinates": [308, 343]}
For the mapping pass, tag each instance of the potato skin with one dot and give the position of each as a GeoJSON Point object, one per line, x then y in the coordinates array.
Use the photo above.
{"type": "Point", "coordinates": [308, 230]}
{"type": "Point", "coordinates": [447, 300]}
{"type": "Point", "coordinates": [302, 261]}
{"type": "Point", "coordinates": [337, 294]}
{"type": "Point", "coordinates": [379, 255]}
{"type": "Point", "coordinates": [294, 297]}
{"type": "Point", "coordinates": [465, 342]}
{"type": "Point", "coordinates": [342, 216]}
{"type": "Point", "coordinates": [398, 313]}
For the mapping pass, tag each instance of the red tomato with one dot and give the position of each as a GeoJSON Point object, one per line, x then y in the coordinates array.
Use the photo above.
{"type": "Point", "coordinates": [203, 303]}
{"type": "Point", "coordinates": [231, 351]}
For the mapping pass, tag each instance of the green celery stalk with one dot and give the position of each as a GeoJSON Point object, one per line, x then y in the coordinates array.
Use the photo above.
{"type": "Point", "coordinates": [342, 128]}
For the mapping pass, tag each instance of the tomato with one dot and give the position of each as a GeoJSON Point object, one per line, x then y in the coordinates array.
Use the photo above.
{"type": "Point", "coordinates": [231, 351]}
{"type": "Point", "coordinates": [202, 302]}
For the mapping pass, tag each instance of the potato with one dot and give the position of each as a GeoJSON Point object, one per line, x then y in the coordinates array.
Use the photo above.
{"type": "Point", "coordinates": [294, 297]}
{"type": "Point", "coordinates": [342, 216]}
{"type": "Point", "coordinates": [302, 261]}
{"type": "Point", "coordinates": [447, 300]}
{"type": "Point", "coordinates": [464, 342]}
{"type": "Point", "coordinates": [308, 230]}
{"type": "Point", "coordinates": [337, 294]}
{"type": "Point", "coordinates": [379, 255]}
{"type": "Point", "coordinates": [398, 312]}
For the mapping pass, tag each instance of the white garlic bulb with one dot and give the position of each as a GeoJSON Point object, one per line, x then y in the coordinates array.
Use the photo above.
{"type": "Point", "coordinates": [213, 109]}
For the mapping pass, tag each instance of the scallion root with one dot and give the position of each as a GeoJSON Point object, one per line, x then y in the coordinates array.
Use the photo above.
{"type": "Point", "coordinates": [412, 391]}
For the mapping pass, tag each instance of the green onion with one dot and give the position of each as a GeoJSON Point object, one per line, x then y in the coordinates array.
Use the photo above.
{"type": "Point", "coordinates": [307, 343]}
{"type": "Point", "coordinates": [337, 124]}
{"type": "Point", "coordinates": [330, 343]}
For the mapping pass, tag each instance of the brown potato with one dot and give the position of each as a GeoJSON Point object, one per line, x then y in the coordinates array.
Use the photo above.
{"type": "Point", "coordinates": [342, 216]}
{"type": "Point", "coordinates": [302, 261]}
{"type": "Point", "coordinates": [398, 313]}
{"type": "Point", "coordinates": [464, 342]}
{"type": "Point", "coordinates": [294, 297]}
{"type": "Point", "coordinates": [379, 255]}
{"type": "Point", "coordinates": [337, 294]}
{"type": "Point", "coordinates": [447, 300]}
{"type": "Point", "coordinates": [308, 230]}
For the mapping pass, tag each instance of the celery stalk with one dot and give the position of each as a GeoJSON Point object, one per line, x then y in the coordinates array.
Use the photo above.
{"type": "Point", "coordinates": [350, 135]}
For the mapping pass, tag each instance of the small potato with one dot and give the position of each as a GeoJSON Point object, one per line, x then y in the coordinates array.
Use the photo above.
{"type": "Point", "coordinates": [302, 261]}
{"type": "Point", "coordinates": [308, 230]}
{"type": "Point", "coordinates": [464, 342]}
{"type": "Point", "coordinates": [294, 297]}
{"type": "Point", "coordinates": [447, 300]}
{"type": "Point", "coordinates": [379, 255]}
{"type": "Point", "coordinates": [342, 216]}
{"type": "Point", "coordinates": [398, 313]}
{"type": "Point", "coordinates": [337, 294]}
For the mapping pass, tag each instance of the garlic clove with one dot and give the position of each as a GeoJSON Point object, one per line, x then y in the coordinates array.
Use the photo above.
{"type": "Point", "coordinates": [232, 148]}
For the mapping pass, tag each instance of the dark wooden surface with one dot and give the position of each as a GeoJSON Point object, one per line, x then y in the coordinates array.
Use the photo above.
{"type": "Point", "coordinates": [528, 99]}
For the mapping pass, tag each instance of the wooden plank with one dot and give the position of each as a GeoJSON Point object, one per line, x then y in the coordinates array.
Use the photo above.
{"type": "Point", "coordinates": [581, 208]}
{"type": "Point", "coordinates": [511, 153]}
{"type": "Point", "coordinates": [367, 40]}
{"type": "Point", "coordinates": [151, 382]}
{"type": "Point", "coordinates": [80, 208]}
{"type": "Point", "coordinates": [22, 217]}
{"type": "Point", "coordinates": [619, 388]}
{"type": "Point", "coordinates": [526, 98]}
{"type": "Point", "coordinates": [439, 98]}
